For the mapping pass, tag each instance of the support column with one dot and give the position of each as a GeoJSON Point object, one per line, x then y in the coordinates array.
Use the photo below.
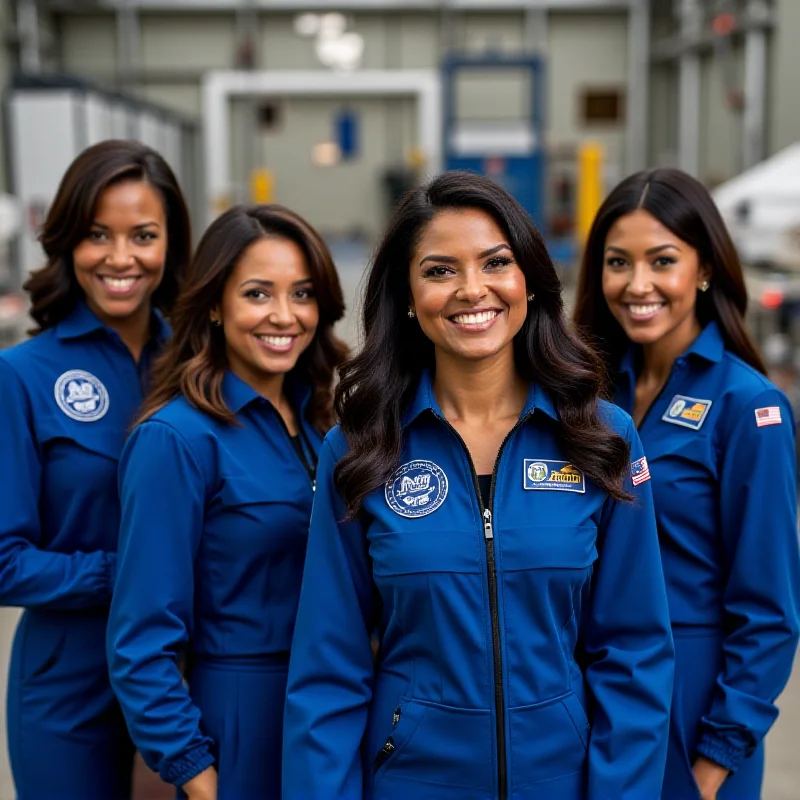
{"type": "Point", "coordinates": [689, 82]}
{"type": "Point", "coordinates": [638, 101]}
{"type": "Point", "coordinates": [128, 44]}
{"type": "Point", "coordinates": [755, 84]}
{"type": "Point", "coordinates": [28, 31]}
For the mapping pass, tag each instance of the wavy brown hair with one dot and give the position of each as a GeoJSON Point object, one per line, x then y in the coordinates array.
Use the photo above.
{"type": "Point", "coordinates": [194, 361]}
{"type": "Point", "coordinates": [53, 289]}
{"type": "Point", "coordinates": [682, 204]}
{"type": "Point", "coordinates": [377, 384]}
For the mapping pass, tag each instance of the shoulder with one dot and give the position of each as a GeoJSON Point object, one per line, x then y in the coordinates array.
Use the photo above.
{"type": "Point", "coordinates": [183, 419]}
{"type": "Point", "coordinates": [746, 389]}
{"type": "Point", "coordinates": [615, 418]}
{"type": "Point", "coordinates": [24, 358]}
{"type": "Point", "coordinates": [336, 442]}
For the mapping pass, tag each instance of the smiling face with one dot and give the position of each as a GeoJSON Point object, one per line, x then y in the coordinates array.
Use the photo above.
{"type": "Point", "coordinates": [121, 261]}
{"type": "Point", "coordinates": [650, 281]}
{"type": "Point", "coordinates": [467, 289]}
{"type": "Point", "coordinates": [268, 312]}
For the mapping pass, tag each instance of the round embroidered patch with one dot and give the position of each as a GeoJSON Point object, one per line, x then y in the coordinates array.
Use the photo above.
{"type": "Point", "coordinates": [416, 489]}
{"type": "Point", "coordinates": [676, 408]}
{"type": "Point", "coordinates": [81, 396]}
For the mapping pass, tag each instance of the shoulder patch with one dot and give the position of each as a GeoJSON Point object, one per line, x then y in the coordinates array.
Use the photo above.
{"type": "Point", "coordinates": [687, 411]}
{"type": "Point", "coordinates": [81, 396]}
{"type": "Point", "coordinates": [416, 488]}
{"type": "Point", "coordinates": [640, 471]}
{"type": "Point", "coordinates": [770, 415]}
{"type": "Point", "coordinates": [559, 476]}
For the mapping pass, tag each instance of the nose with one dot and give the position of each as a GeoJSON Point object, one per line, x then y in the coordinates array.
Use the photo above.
{"type": "Point", "coordinates": [281, 314]}
{"type": "Point", "coordinates": [472, 288]}
{"type": "Point", "coordinates": [121, 255]}
{"type": "Point", "coordinates": [641, 282]}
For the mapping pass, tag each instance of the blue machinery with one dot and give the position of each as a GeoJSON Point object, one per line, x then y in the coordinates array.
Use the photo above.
{"type": "Point", "coordinates": [510, 151]}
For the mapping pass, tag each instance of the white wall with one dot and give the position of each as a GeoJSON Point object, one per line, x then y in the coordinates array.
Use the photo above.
{"type": "Point", "coordinates": [8, 623]}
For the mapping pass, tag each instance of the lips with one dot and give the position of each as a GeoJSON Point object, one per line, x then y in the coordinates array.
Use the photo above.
{"type": "Point", "coordinates": [279, 343]}
{"type": "Point", "coordinates": [641, 312]}
{"type": "Point", "coordinates": [119, 285]}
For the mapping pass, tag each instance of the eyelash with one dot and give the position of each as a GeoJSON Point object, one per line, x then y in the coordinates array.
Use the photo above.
{"type": "Point", "coordinates": [147, 236]}
{"type": "Point", "coordinates": [439, 270]}
{"type": "Point", "coordinates": [661, 261]}
{"type": "Point", "coordinates": [258, 294]}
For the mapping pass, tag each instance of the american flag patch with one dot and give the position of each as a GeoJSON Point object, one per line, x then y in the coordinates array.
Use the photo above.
{"type": "Point", "coordinates": [640, 472]}
{"type": "Point", "coordinates": [771, 415]}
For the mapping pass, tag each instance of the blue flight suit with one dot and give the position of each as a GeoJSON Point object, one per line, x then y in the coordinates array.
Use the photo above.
{"type": "Point", "coordinates": [69, 396]}
{"type": "Point", "coordinates": [513, 663]}
{"type": "Point", "coordinates": [720, 443]}
{"type": "Point", "coordinates": [212, 543]}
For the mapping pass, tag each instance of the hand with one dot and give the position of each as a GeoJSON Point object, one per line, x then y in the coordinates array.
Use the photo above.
{"type": "Point", "coordinates": [709, 777]}
{"type": "Point", "coordinates": [202, 786]}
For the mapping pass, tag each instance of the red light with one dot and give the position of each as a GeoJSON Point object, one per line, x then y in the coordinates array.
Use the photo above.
{"type": "Point", "coordinates": [724, 24]}
{"type": "Point", "coordinates": [772, 298]}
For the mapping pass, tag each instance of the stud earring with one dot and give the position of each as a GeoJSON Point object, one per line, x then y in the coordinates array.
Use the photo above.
{"type": "Point", "coordinates": [704, 286]}
{"type": "Point", "coordinates": [215, 323]}
{"type": "Point", "coordinates": [411, 312]}
{"type": "Point", "coordinates": [531, 296]}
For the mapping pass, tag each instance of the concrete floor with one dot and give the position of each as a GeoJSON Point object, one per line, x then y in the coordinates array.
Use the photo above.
{"type": "Point", "coordinates": [783, 765]}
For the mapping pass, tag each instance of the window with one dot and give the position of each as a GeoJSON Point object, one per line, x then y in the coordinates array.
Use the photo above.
{"type": "Point", "coordinates": [602, 106]}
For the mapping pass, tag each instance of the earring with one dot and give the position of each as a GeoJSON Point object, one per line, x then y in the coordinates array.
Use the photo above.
{"type": "Point", "coordinates": [531, 296]}
{"type": "Point", "coordinates": [704, 286]}
{"type": "Point", "coordinates": [215, 323]}
{"type": "Point", "coordinates": [411, 312]}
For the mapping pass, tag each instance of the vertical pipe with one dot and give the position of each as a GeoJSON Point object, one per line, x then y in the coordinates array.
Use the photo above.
{"type": "Point", "coordinates": [28, 28]}
{"type": "Point", "coordinates": [691, 21]}
{"type": "Point", "coordinates": [755, 85]}
{"type": "Point", "coordinates": [591, 189]}
{"type": "Point", "coordinates": [128, 43]}
{"type": "Point", "coordinates": [637, 128]}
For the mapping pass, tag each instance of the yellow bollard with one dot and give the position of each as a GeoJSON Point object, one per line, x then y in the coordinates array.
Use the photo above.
{"type": "Point", "coordinates": [591, 158]}
{"type": "Point", "coordinates": [262, 186]}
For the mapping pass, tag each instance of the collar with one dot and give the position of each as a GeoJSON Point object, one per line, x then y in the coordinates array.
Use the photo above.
{"type": "Point", "coordinates": [425, 400]}
{"type": "Point", "coordinates": [82, 321]}
{"type": "Point", "coordinates": [709, 346]}
{"type": "Point", "coordinates": [237, 394]}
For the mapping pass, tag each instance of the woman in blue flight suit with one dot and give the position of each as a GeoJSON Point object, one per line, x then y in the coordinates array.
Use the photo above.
{"type": "Point", "coordinates": [216, 486]}
{"type": "Point", "coordinates": [661, 290]}
{"type": "Point", "coordinates": [117, 239]}
{"type": "Point", "coordinates": [460, 510]}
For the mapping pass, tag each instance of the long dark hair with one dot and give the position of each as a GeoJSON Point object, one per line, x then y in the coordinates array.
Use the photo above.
{"type": "Point", "coordinates": [54, 290]}
{"type": "Point", "coordinates": [682, 204]}
{"type": "Point", "coordinates": [194, 361]}
{"type": "Point", "coordinates": [376, 385]}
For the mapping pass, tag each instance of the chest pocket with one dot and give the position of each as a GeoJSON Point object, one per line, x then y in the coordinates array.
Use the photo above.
{"type": "Point", "coordinates": [104, 437]}
{"type": "Point", "coordinates": [548, 547]}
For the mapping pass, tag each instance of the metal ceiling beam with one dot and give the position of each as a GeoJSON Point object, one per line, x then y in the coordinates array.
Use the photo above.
{"type": "Point", "coordinates": [299, 6]}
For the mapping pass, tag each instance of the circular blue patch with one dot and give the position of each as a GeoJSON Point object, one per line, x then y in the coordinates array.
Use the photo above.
{"type": "Point", "coordinates": [81, 396]}
{"type": "Point", "coordinates": [416, 489]}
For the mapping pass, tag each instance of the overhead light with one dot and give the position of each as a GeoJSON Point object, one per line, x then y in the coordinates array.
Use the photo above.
{"type": "Point", "coordinates": [307, 24]}
{"type": "Point", "coordinates": [326, 154]}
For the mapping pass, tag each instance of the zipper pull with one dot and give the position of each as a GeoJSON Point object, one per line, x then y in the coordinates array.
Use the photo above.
{"type": "Point", "coordinates": [488, 533]}
{"type": "Point", "coordinates": [396, 716]}
{"type": "Point", "coordinates": [314, 485]}
{"type": "Point", "coordinates": [388, 748]}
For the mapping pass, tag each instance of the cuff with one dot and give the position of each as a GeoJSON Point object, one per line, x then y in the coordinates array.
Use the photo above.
{"type": "Point", "coordinates": [180, 770]}
{"type": "Point", "coordinates": [721, 752]}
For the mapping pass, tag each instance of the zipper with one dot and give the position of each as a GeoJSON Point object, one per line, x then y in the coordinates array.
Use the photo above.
{"type": "Point", "coordinates": [297, 446]}
{"type": "Point", "coordinates": [491, 570]}
{"type": "Point", "coordinates": [388, 748]}
{"type": "Point", "coordinates": [677, 365]}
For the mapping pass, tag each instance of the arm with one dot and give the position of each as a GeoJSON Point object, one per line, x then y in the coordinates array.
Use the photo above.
{"type": "Point", "coordinates": [163, 499]}
{"type": "Point", "coordinates": [331, 670]}
{"type": "Point", "coordinates": [758, 515]}
{"type": "Point", "coordinates": [31, 577]}
{"type": "Point", "coordinates": [628, 649]}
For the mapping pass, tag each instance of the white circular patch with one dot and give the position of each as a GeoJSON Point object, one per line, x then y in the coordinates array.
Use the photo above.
{"type": "Point", "coordinates": [81, 396]}
{"type": "Point", "coordinates": [677, 407]}
{"type": "Point", "coordinates": [416, 489]}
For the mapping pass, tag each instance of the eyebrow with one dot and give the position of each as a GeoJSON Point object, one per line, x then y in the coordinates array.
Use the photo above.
{"type": "Point", "coordinates": [140, 225]}
{"type": "Point", "coordinates": [452, 259]}
{"type": "Point", "coordinates": [268, 284]}
{"type": "Point", "coordinates": [650, 252]}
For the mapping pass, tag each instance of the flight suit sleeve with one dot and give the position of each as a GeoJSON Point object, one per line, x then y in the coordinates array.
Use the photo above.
{"type": "Point", "coordinates": [758, 514]}
{"type": "Point", "coordinates": [162, 489]}
{"type": "Point", "coordinates": [627, 647]}
{"type": "Point", "coordinates": [29, 576]}
{"type": "Point", "coordinates": [331, 667]}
